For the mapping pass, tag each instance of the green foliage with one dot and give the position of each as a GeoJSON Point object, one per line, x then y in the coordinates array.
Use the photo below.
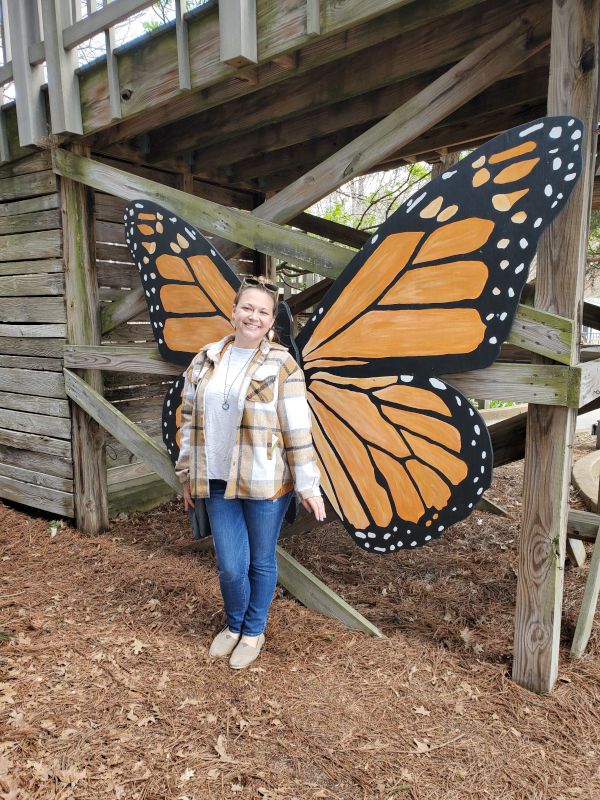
{"type": "Point", "coordinates": [367, 201]}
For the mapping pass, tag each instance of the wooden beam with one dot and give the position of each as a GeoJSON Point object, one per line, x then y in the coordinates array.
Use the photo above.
{"type": "Point", "coordinates": [546, 384]}
{"type": "Point", "coordinates": [351, 91]}
{"type": "Point", "coordinates": [538, 331]}
{"type": "Point", "coordinates": [585, 620]}
{"type": "Point", "coordinates": [119, 359]}
{"type": "Point", "coordinates": [124, 431]}
{"type": "Point", "coordinates": [237, 32]}
{"type": "Point", "coordinates": [230, 223]}
{"type": "Point", "coordinates": [573, 89]}
{"type": "Point", "coordinates": [522, 383]}
{"type": "Point", "coordinates": [335, 231]}
{"type": "Point", "coordinates": [583, 525]}
{"type": "Point", "coordinates": [313, 593]}
{"type": "Point", "coordinates": [520, 39]}
{"type": "Point", "coordinates": [81, 296]}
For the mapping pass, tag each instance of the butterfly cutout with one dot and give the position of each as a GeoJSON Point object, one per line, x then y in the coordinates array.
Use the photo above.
{"type": "Point", "coordinates": [402, 454]}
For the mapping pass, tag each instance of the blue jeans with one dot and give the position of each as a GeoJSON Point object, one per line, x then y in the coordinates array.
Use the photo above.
{"type": "Point", "coordinates": [245, 534]}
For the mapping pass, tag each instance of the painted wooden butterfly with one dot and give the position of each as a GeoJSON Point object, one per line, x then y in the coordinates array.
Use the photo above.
{"type": "Point", "coordinates": [403, 455]}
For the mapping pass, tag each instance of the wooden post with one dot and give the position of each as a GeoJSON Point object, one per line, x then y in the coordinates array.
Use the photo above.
{"type": "Point", "coordinates": [83, 327]}
{"type": "Point", "coordinates": [237, 32]}
{"type": "Point", "coordinates": [573, 89]}
{"type": "Point", "coordinates": [63, 82]}
{"type": "Point", "coordinates": [183, 47]}
{"type": "Point", "coordinates": [31, 111]}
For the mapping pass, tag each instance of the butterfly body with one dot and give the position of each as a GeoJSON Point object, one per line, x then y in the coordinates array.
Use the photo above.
{"type": "Point", "coordinates": [403, 455]}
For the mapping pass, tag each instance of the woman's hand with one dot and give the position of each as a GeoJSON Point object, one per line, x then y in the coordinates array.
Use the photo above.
{"type": "Point", "coordinates": [187, 497]}
{"type": "Point", "coordinates": [316, 506]}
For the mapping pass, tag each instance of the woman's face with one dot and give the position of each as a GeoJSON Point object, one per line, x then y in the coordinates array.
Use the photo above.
{"type": "Point", "coordinates": [253, 317]}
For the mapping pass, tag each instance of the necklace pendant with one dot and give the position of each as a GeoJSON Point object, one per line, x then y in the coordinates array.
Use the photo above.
{"type": "Point", "coordinates": [225, 406]}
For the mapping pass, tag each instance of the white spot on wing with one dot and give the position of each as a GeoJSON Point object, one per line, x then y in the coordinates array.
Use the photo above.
{"type": "Point", "coordinates": [436, 383]}
{"type": "Point", "coordinates": [531, 129]}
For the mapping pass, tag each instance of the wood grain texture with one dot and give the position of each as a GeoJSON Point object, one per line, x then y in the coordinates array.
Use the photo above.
{"type": "Point", "coordinates": [523, 383]}
{"type": "Point", "coordinates": [125, 431]}
{"type": "Point", "coordinates": [36, 478]}
{"type": "Point", "coordinates": [34, 404]}
{"type": "Point", "coordinates": [153, 69]}
{"type": "Point", "coordinates": [34, 346]}
{"type": "Point", "coordinates": [206, 215]}
{"type": "Point", "coordinates": [585, 620]}
{"type": "Point", "coordinates": [36, 461]}
{"type": "Point", "coordinates": [502, 52]}
{"type": "Point", "coordinates": [119, 359]}
{"type": "Point", "coordinates": [36, 162]}
{"type": "Point", "coordinates": [45, 202]}
{"type": "Point", "coordinates": [31, 221]}
{"type": "Point", "coordinates": [35, 442]}
{"type": "Point", "coordinates": [42, 285]}
{"type": "Point", "coordinates": [573, 89]}
{"type": "Point", "coordinates": [28, 381]}
{"type": "Point", "coordinates": [34, 331]}
{"type": "Point", "coordinates": [313, 593]}
{"type": "Point", "coordinates": [31, 362]}
{"type": "Point", "coordinates": [36, 496]}
{"type": "Point", "coordinates": [39, 309]}
{"type": "Point", "coordinates": [81, 295]}
{"type": "Point", "coordinates": [45, 244]}
{"type": "Point", "coordinates": [43, 424]}
{"type": "Point", "coordinates": [25, 186]}
{"type": "Point", "coordinates": [41, 266]}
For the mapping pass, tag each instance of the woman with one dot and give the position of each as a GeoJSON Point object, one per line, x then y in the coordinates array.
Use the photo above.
{"type": "Point", "coordinates": [245, 445]}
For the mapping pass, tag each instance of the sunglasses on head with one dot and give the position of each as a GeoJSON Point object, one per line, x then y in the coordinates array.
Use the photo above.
{"type": "Point", "coordinates": [260, 282]}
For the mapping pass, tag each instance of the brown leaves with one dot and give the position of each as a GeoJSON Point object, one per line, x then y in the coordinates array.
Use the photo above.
{"type": "Point", "coordinates": [138, 646]}
{"type": "Point", "coordinates": [221, 748]}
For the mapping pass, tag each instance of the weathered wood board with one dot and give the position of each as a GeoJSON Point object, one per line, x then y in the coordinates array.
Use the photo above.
{"type": "Point", "coordinates": [35, 426]}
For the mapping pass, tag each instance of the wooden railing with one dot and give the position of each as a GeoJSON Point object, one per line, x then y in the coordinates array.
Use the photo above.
{"type": "Point", "coordinates": [39, 46]}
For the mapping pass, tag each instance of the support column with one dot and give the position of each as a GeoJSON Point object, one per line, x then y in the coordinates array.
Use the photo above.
{"type": "Point", "coordinates": [573, 89]}
{"type": "Point", "coordinates": [83, 327]}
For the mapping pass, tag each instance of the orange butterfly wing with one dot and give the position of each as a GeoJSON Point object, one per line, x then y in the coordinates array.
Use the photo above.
{"type": "Point", "coordinates": [434, 291]}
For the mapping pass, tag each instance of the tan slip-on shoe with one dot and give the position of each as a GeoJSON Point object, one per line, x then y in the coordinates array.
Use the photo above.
{"type": "Point", "coordinates": [223, 644]}
{"type": "Point", "coordinates": [244, 654]}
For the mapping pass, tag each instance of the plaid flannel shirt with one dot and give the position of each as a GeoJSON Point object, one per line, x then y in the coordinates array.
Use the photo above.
{"type": "Point", "coordinates": [273, 448]}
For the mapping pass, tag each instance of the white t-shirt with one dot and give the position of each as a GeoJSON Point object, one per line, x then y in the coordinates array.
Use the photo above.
{"type": "Point", "coordinates": [220, 425]}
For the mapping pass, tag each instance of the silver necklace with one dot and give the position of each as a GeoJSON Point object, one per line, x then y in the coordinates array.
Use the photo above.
{"type": "Point", "coordinates": [226, 391]}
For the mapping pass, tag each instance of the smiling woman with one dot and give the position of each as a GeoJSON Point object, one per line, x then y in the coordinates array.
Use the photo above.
{"type": "Point", "coordinates": [245, 445]}
{"type": "Point", "coordinates": [253, 315]}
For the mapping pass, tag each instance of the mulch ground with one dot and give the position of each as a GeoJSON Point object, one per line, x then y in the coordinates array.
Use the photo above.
{"type": "Point", "coordinates": [106, 689]}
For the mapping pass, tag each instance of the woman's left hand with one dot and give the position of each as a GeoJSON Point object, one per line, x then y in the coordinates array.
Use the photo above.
{"type": "Point", "coordinates": [316, 506]}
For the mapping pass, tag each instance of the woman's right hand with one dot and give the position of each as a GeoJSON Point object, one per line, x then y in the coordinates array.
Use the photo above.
{"type": "Point", "coordinates": [187, 497]}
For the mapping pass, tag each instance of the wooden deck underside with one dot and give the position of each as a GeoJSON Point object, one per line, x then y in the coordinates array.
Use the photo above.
{"type": "Point", "coordinates": [261, 126]}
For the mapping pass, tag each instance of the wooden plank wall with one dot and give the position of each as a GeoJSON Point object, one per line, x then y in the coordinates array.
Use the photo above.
{"type": "Point", "coordinates": [137, 395]}
{"type": "Point", "coordinates": [36, 466]}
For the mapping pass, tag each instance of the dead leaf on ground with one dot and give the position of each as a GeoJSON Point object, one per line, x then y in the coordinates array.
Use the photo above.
{"type": "Point", "coordinates": [422, 711]}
